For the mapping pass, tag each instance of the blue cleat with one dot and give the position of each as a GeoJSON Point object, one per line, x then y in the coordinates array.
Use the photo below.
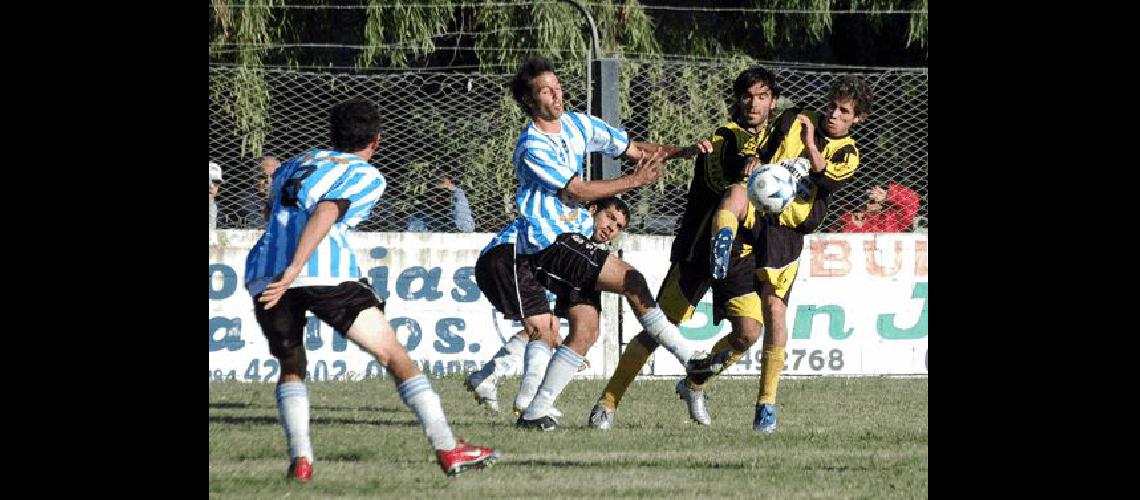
{"type": "Point", "coordinates": [765, 420]}
{"type": "Point", "coordinates": [721, 253]}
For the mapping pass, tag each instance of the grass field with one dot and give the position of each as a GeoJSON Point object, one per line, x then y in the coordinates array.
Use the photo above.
{"type": "Point", "coordinates": [837, 438]}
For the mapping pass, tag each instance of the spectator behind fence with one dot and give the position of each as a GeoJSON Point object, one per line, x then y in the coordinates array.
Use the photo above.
{"type": "Point", "coordinates": [255, 201]}
{"type": "Point", "coordinates": [215, 186]}
{"type": "Point", "coordinates": [888, 210]}
{"type": "Point", "coordinates": [426, 218]}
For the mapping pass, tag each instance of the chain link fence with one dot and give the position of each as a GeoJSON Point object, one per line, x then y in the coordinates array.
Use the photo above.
{"type": "Point", "coordinates": [464, 126]}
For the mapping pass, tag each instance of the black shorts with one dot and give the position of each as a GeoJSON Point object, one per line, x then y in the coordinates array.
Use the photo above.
{"type": "Point", "coordinates": [563, 303]}
{"type": "Point", "coordinates": [509, 283]}
{"type": "Point", "coordinates": [687, 282]}
{"type": "Point", "coordinates": [284, 324]}
{"type": "Point", "coordinates": [570, 267]}
{"type": "Point", "coordinates": [779, 245]}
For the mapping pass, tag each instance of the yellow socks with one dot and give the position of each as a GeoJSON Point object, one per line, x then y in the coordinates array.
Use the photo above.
{"type": "Point", "coordinates": [771, 364]}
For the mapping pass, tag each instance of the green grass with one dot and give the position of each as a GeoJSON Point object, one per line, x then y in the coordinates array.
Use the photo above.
{"type": "Point", "coordinates": [837, 438]}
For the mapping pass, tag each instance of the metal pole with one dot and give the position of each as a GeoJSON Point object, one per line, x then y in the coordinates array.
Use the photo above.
{"type": "Point", "coordinates": [595, 52]}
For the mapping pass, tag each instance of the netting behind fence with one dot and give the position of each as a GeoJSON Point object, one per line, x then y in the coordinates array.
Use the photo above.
{"type": "Point", "coordinates": [465, 125]}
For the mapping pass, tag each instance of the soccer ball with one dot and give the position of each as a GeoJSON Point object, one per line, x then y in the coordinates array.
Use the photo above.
{"type": "Point", "coordinates": [772, 187]}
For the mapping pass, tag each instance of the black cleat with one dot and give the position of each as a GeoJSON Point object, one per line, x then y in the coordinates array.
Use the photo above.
{"type": "Point", "coordinates": [544, 423]}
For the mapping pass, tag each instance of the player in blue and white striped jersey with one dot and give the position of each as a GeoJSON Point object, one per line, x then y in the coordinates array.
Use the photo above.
{"type": "Point", "coordinates": [303, 262]}
{"type": "Point", "coordinates": [345, 179]}
{"type": "Point", "coordinates": [494, 273]}
{"type": "Point", "coordinates": [548, 161]}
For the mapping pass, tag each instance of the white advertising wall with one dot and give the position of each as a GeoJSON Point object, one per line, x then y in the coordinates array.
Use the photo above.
{"type": "Point", "coordinates": [858, 307]}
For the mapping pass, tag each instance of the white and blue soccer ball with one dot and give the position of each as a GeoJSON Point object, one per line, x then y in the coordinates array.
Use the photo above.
{"type": "Point", "coordinates": [772, 187]}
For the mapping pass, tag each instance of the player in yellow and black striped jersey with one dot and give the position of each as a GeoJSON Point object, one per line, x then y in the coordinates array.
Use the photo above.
{"type": "Point", "coordinates": [824, 140]}
{"type": "Point", "coordinates": [755, 92]}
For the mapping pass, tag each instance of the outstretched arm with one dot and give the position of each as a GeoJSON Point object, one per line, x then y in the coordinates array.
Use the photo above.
{"type": "Point", "coordinates": [639, 150]}
{"type": "Point", "coordinates": [647, 171]}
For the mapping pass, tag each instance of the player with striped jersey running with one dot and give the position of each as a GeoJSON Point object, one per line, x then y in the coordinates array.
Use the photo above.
{"type": "Point", "coordinates": [303, 262]}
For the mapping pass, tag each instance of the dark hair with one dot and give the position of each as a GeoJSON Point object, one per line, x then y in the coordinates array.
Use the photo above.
{"type": "Point", "coordinates": [748, 78]}
{"type": "Point", "coordinates": [353, 124]}
{"type": "Point", "coordinates": [854, 88]}
{"type": "Point", "coordinates": [752, 76]}
{"type": "Point", "coordinates": [610, 201]}
{"type": "Point", "coordinates": [521, 84]}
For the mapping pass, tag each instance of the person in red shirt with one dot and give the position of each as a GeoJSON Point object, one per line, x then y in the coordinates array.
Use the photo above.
{"type": "Point", "coordinates": [888, 210]}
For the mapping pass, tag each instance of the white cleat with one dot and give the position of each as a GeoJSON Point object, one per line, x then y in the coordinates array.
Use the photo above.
{"type": "Point", "coordinates": [695, 400]}
{"type": "Point", "coordinates": [485, 393]}
{"type": "Point", "coordinates": [601, 417]}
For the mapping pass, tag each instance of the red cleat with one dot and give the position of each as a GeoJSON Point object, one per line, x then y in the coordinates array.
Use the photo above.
{"type": "Point", "coordinates": [300, 470]}
{"type": "Point", "coordinates": [465, 457]}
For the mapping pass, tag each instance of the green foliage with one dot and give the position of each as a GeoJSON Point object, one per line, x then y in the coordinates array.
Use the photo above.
{"type": "Point", "coordinates": [677, 109]}
{"type": "Point", "coordinates": [803, 29]}
{"type": "Point", "coordinates": [917, 32]}
{"type": "Point", "coordinates": [393, 25]}
{"type": "Point", "coordinates": [253, 33]}
{"type": "Point", "coordinates": [479, 152]}
{"type": "Point", "coordinates": [489, 161]}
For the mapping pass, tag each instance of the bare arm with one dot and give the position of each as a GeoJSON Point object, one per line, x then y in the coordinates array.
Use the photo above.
{"type": "Point", "coordinates": [639, 150]}
{"type": "Point", "coordinates": [316, 229]}
{"type": "Point", "coordinates": [647, 171]}
{"type": "Point", "coordinates": [816, 158]}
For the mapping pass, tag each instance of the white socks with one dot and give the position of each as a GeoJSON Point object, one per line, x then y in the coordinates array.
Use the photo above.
{"type": "Point", "coordinates": [293, 410]}
{"type": "Point", "coordinates": [537, 359]}
{"type": "Point", "coordinates": [503, 361]}
{"type": "Point", "coordinates": [562, 368]}
{"type": "Point", "coordinates": [424, 402]}
{"type": "Point", "coordinates": [665, 333]}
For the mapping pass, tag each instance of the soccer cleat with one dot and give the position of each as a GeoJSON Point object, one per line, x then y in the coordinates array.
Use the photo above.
{"type": "Point", "coordinates": [300, 469]}
{"type": "Point", "coordinates": [544, 423]}
{"type": "Point", "coordinates": [704, 364]}
{"type": "Point", "coordinates": [601, 417]}
{"type": "Point", "coordinates": [721, 247]}
{"type": "Point", "coordinates": [465, 457]}
{"type": "Point", "coordinates": [765, 420]}
{"type": "Point", "coordinates": [485, 393]}
{"type": "Point", "coordinates": [698, 407]}
{"type": "Point", "coordinates": [554, 413]}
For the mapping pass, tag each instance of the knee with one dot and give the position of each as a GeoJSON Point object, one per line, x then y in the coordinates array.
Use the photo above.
{"type": "Point", "coordinates": [584, 334]}
{"type": "Point", "coordinates": [551, 339]}
{"type": "Point", "coordinates": [546, 334]}
{"type": "Point", "coordinates": [634, 285]}
{"type": "Point", "coordinates": [647, 341]}
{"type": "Point", "coordinates": [291, 356]}
{"type": "Point", "coordinates": [744, 340]}
{"type": "Point", "coordinates": [548, 337]}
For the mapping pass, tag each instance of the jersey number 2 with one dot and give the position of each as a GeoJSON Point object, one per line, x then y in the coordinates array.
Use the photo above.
{"type": "Point", "coordinates": [292, 186]}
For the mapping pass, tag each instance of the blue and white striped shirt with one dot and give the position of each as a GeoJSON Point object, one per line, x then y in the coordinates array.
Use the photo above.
{"type": "Point", "coordinates": [506, 236]}
{"type": "Point", "coordinates": [509, 235]}
{"type": "Point", "coordinates": [298, 185]}
{"type": "Point", "coordinates": [545, 163]}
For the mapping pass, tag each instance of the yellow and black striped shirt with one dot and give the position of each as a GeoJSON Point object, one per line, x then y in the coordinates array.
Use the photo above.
{"type": "Point", "coordinates": [806, 211]}
{"type": "Point", "coordinates": [712, 174]}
